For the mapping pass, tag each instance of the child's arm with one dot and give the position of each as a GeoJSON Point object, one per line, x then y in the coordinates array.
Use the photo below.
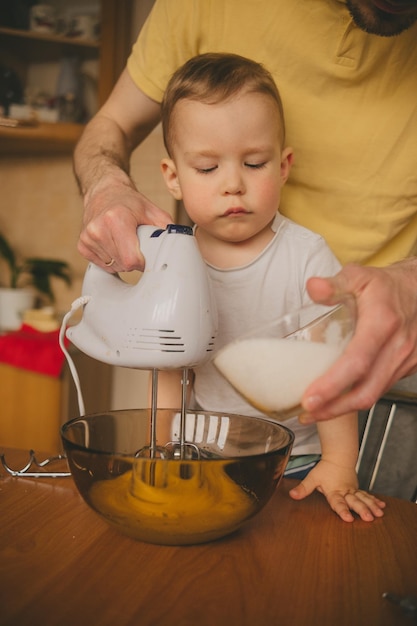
{"type": "Point", "coordinates": [335, 476]}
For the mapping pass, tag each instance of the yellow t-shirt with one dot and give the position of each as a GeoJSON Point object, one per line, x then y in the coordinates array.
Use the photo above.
{"type": "Point", "coordinates": [350, 102]}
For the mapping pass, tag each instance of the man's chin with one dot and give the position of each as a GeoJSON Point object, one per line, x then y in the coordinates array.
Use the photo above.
{"type": "Point", "coordinates": [375, 21]}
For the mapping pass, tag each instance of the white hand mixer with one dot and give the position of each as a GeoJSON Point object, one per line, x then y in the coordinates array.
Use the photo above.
{"type": "Point", "coordinates": [168, 320]}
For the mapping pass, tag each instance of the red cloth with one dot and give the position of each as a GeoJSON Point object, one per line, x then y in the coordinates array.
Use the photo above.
{"type": "Point", "coordinates": [33, 350]}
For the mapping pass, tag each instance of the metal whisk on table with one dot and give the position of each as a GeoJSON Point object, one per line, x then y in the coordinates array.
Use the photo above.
{"type": "Point", "coordinates": [27, 470]}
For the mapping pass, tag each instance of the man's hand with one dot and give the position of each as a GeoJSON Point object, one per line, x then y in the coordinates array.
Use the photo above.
{"type": "Point", "coordinates": [384, 347]}
{"type": "Point", "coordinates": [112, 214]}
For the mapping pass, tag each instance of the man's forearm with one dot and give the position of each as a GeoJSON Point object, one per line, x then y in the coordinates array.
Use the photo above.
{"type": "Point", "coordinates": [102, 152]}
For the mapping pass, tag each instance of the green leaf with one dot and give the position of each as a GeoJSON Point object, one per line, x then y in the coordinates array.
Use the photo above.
{"type": "Point", "coordinates": [6, 251]}
{"type": "Point", "coordinates": [42, 270]}
{"type": "Point", "coordinates": [35, 271]}
{"type": "Point", "coordinates": [9, 256]}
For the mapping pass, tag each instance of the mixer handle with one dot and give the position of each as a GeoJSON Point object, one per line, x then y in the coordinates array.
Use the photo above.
{"type": "Point", "coordinates": [147, 235]}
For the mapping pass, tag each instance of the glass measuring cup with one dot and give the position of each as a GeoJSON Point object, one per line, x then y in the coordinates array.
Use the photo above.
{"type": "Point", "coordinates": [272, 366]}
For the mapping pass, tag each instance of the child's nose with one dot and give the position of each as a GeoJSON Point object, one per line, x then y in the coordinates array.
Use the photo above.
{"type": "Point", "coordinates": [233, 181]}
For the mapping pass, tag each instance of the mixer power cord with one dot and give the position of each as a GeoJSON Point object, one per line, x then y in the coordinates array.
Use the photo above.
{"type": "Point", "coordinates": [77, 304]}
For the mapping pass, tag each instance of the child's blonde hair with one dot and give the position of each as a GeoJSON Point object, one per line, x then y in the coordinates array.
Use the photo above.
{"type": "Point", "coordinates": [215, 77]}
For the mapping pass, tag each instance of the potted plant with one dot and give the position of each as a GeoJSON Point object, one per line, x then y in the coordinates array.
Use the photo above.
{"type": "Point", "coordinates": [15, 296]}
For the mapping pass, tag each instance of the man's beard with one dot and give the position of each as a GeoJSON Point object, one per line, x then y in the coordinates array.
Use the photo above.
{"type": "Point", "coordinates": [377, 22]}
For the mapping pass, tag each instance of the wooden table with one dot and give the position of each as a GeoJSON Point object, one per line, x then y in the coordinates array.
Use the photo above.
{"type": "Point", "coordinates": [295, 564]}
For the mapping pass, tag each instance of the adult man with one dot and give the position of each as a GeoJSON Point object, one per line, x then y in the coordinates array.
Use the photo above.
{"type": "Point", "coordinates": [348, 80]}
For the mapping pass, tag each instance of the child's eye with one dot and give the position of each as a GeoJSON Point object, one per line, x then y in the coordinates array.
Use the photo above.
{"type": "Point", "coordinates": [206, 170]}
{"type": "Point", "coordinates": [256, 166]}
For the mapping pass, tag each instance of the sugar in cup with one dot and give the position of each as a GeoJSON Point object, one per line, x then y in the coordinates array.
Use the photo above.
{"type": "Point", "coordinates": [272, 366]}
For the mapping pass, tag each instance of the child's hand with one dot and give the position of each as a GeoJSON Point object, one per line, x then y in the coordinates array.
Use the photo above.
{"type": "Point", "coordinates": [340, 487]}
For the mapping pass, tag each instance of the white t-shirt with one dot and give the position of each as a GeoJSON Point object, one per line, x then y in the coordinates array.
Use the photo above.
{"type": "Point", "coordinates": [271, 285]}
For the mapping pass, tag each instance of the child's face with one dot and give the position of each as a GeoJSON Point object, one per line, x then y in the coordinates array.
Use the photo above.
{"type": "Point", "coordinates": [227, 165]}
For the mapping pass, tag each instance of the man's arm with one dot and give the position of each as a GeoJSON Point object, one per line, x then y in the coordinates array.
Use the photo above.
{"type": "Point", "coordinates": [113, 207]}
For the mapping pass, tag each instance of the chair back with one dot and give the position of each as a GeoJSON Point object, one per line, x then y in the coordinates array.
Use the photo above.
{"type": "Point", "coordinates": [387, 460]}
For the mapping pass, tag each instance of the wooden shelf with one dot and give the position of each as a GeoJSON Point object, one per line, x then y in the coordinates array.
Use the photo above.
{"type": "Point", "coordinates": [55, 39]}
{"type": "Point", "coordinates": [42, 138]}
{"type": "Point", "coordinates": [25, 46]}
{"type": "Point", "coordinates": [19, 48]}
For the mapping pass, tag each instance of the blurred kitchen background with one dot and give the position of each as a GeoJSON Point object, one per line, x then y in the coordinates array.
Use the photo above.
{"type": "Point", "coordinates": [46, 49]}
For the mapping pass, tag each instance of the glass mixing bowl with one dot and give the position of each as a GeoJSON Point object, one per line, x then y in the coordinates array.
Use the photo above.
{"type": "Point", "coordinates": [272, 366]}
{"type": "Point", "coordinates": [168, 494]}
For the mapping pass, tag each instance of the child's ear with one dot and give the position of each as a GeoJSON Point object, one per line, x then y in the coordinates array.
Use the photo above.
{"type": "Point", "coordinates": [169, 172]}
{"type": "Point", "coordinates": [287, 158]}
